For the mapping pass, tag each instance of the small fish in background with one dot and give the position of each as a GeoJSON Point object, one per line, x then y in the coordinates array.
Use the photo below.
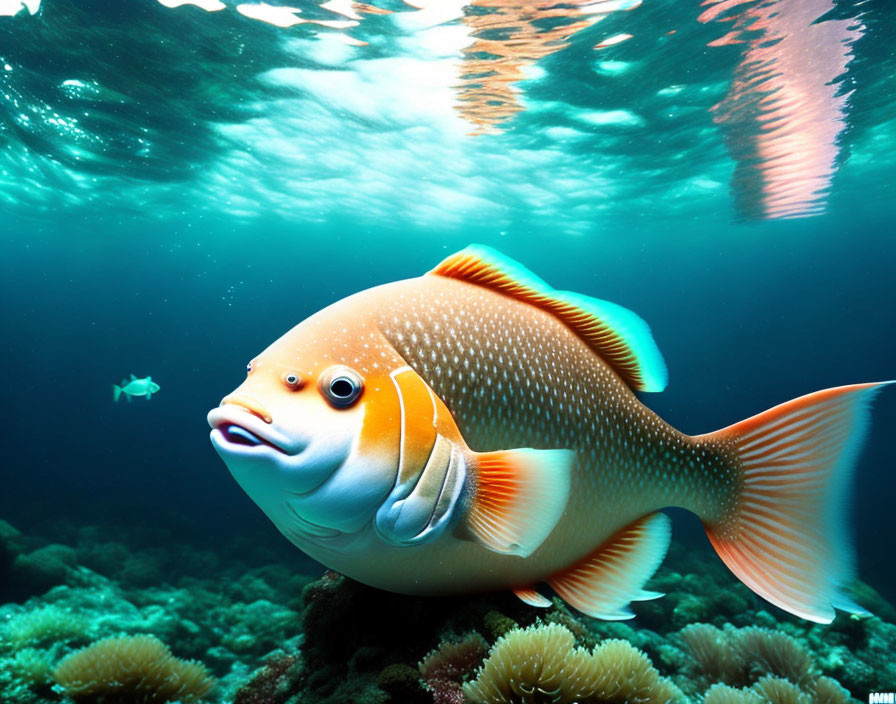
{"type": "Point", "coordinates": [135, 387]}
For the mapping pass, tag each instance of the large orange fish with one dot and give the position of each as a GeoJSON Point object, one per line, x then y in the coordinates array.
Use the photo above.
{"type": "Point", "coordinates": [474, 429]}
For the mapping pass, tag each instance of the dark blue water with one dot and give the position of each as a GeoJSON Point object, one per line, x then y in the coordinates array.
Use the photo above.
{"type": "Point", "coordinates": [747, 316]}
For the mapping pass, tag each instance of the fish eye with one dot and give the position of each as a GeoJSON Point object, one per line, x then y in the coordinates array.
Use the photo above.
{"type": "Point", "coordinates": [248, 367]}
{"type": "Point", "coordinates": [292, 380]}
{"type": "Point", "coordinates": [341, 386]}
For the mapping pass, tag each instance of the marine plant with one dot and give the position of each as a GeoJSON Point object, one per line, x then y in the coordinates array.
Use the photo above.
{"type": "Point", "coordinates": [712, 657]}
{"type": "Point", "coordinates": [32, 667]}
{"type": "Point", "coordinates": [778, 690]}
{"type": "Point", "coordinates": [826, 690]}
{"type": "Point", "coordinates": [774, 652]}
{"type": "Point", "coordinates": [274, 683]}
{"type": "Point", "coordinates": [444, 669]}
{"type": "Point", "coordinates": [46, 624]}
{"type": "Point", "coordinates": [541, 665]}
{"type": "Point", "coordinates": [723, 694]}
{"type": "Point", "coordinates": [131, 670]}
{"type": "Point", "coordinates": [771, 689]}
{"type": "Point", "coordinates": [741, 656]}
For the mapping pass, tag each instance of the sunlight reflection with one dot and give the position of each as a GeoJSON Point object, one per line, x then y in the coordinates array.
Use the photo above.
{"type": "Point", "coordinates": [510, 37]}
{"type": "Point", "coordinates": [785, 111]}
{"type": "Point", "coordinates": [355, 100]}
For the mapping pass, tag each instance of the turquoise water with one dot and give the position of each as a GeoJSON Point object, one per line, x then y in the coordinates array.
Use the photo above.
{"type": "Point", "coordinates": [181, 185]}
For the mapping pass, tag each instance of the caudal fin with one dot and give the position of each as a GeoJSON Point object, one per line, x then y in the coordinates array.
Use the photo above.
{"type": "Point", "coordinates": [786, 536]}
{"type": "Point", "coordinates": [116, 392]}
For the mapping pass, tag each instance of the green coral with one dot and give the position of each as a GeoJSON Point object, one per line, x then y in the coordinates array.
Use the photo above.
{"type": "Point", "coordinates": [49, 624]}
{"type": "Point", "coordinates": [354, 644]}
{"type": "Point", "coordinates": [741, 656]}
{"type": "Point", "coordinates": [32, 667]}
{"type": "Point", "coordinates": [131, 670]}
{"type": "Point", "coordinates": [778, 690]}
{"type": "Point", "coordinates": [541, 665]}
{"type": "Point", "coordinates": [26, 675]}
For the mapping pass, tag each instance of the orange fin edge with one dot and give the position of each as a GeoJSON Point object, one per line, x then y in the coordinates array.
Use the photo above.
{"type": "Point", "coordinates": [530, 596]}
{"type": "Point", "coordinates": [603, 584]}
{"type": "Point", "coordinates": [786, 537]}
{"type": "Point", "coordinates": [517, 498]}
{"type": "Point", "coordinates": [618, 335]}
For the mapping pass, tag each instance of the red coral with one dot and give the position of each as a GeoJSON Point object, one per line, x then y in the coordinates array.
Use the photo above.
{"type": "Point", "coordinates": [445, 668]}
{"type": "Point", "coordinates": [272, 684]}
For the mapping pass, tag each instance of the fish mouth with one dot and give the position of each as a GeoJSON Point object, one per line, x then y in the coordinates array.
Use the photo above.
{"type": "Point", "coordinates": [238, 435]}
{"type": "Point", "coordinates": [240, 431]}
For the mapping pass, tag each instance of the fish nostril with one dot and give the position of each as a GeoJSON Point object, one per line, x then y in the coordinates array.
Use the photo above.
{"type": "Point", "coordinates": [248, 403]}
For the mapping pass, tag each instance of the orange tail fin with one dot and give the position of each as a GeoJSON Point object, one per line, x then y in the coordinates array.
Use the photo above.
{"type": "Point", "coordinates": [786, 537]}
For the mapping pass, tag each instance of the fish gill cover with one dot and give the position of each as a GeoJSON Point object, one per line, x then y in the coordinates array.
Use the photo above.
{"type": "Point", "coordinates": [182, 181]}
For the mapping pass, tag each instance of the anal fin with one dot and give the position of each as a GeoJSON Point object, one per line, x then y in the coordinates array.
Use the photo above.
{"type": "Point", "coordinates": [532, 597]}
{"type": "Point", "coordinates": [517, 498]}
{"type": "Point", "coordinates": [603, 584]}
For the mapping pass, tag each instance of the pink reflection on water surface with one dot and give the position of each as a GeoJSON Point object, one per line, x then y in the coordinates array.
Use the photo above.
{"type": "Point", "coordinates": [785, 110]}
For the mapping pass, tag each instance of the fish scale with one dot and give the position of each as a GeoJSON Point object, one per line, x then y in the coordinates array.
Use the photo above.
{"type": "Point", "coordinates": [513, 376]}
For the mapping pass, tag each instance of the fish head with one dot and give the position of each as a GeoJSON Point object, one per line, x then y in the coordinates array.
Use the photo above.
{"type": "Point", "coordinates": [310, 433]}
{"type": "Point", "coordinates": [152, 387]}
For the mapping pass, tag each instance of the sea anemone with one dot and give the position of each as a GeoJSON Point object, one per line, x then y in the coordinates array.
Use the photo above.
{"type": "Point", "coordinates": [275, 682]}
{"type": "Point", "coordinates": [777, 690]}
{"type": "Point", "coordinates": [131, 670]}
{"type": "Point", "coordinates": [723, 694]}
{"type": "Point", "coordinates": [32, 667]}
{"type": "Point", "coordinates": [740, 657]}
{"type": "Point", "coordinates": [48, 624]}
{"type": "Point", "coordinates": [453, 659]}
{"type": "Point", "coordinates": [712, 654]}
{"type": "Point", "coordinates": [540, 665]}
{"type": "Point", "coordinates": [828, 691]}
{"type": "Point", "coordinates": [771, 652]}
{"type": "Point", "coordinates": [444, 669]}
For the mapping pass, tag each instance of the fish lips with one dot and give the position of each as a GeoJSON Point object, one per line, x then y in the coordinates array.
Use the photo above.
{"type": "Point", "coordinates": [239, 432]}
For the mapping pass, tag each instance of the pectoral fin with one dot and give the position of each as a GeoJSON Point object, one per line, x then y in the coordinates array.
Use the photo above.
{"type": "Point", "coordinates": [517, 497]}
{"type": "Point", "coordinates": [603, 584]}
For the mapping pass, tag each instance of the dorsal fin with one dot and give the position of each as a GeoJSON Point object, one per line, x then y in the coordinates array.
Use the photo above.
{"type": "Point", "coordinates": [621, 338]}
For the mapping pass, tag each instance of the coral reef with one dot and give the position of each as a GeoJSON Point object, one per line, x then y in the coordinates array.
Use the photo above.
{"type": "Point", "coordinates": [540, 665]}
{"type": "Point", "coordinates": [231, 620]}
{"type": "Point", "coordinates": [48, 624]}
{"type": "Point", "coordinates": [131, 670]}
{"type": "Point", "coordinates": [741, 656]}
{"type": "Point", "coordinates": [271, 635]}
{"type": "Point", "coordinates": [778, 690]}
{"type": "Point", "coordinates": [445, 668]}
{"type": "Point", "coordinates": [273, 684]}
